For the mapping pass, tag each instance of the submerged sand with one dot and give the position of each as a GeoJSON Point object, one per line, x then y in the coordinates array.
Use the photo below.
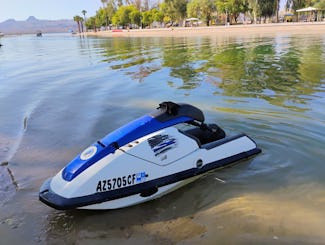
{"type": "Point", "coordinates": [292, 28]}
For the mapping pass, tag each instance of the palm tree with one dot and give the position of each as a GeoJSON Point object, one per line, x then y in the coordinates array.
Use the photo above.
{"type": "Point", "coordinates": [79, 20]}
{"type": "Point", "coordinates": [84, 12]}
{"type": "Point", "coordinates": [82, 24]}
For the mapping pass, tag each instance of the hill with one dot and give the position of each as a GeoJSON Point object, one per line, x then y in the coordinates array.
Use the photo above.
{"type": "Point", "coordinates": [33, 25]}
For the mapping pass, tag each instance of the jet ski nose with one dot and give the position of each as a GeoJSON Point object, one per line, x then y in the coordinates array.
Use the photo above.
{"type": "Point", "coordinates": [88, 157]}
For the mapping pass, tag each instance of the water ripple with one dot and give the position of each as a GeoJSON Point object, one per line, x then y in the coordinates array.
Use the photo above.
{"type": "Point", "coordinates": [61, 93]}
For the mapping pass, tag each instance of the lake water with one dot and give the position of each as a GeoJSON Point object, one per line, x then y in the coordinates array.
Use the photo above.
{"type": "Point", "coordinates": [60, 93]}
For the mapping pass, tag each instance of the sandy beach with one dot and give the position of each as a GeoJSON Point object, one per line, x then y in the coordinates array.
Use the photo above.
{"type": "Point", "coordinates": [262, 29]}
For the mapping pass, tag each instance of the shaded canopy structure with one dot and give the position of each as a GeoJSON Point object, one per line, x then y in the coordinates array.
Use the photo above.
{"type": "Point", "coordinates": [192, 22]}
{"type": "Point", "coordinates": [310, 14]}
{"type": "Point", "coordinates": [192, 19]}
{"type": "Point", "coordinates": [309, 9]}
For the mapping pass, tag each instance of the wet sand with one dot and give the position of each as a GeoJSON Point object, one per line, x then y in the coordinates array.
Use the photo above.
{"type": "Point", "coordinates": [254, 29]}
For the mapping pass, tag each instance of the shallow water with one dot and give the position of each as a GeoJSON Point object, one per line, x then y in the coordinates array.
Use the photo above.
{"type": "Point", "coordinates": [60, 93]}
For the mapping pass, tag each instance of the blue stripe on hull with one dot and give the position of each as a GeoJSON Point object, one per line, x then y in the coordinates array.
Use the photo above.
{"type": "Point", "coordinates": [58, 202]}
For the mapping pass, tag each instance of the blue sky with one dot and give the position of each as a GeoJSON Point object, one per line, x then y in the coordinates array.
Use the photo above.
{"type": "Point", "coordinates": [46, 9]}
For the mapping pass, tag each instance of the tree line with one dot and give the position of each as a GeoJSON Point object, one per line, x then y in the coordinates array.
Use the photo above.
{"type": "Point", "coordinates": [143, 13]}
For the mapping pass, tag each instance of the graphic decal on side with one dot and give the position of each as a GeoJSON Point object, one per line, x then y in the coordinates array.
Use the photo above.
{"type": "Point", "coordinates": [161, 143]}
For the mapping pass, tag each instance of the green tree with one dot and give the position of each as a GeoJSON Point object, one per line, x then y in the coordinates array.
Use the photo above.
{"type": "Point", "coordinates": [174, 9]}
{"type": "Point", "coordinates": [193, 9]}
{"type": "Point", "coordinates": [320, 4]}
{"type": "Point", "coordinates": [101, 17]}
{"type": "Point", "coordinates": [126, 15]}
{"type": "Point", "coordinates": [104, 2]}
{"type": "Point", "coordinates": [232, 7]}
{"type": "Point", "coordinates": [135, 16]}
{"type": "Point", "coordinates": [202, 9]}
{"type": "Point", "coordinates": [92, 23]}
{"type": "Point", "coordinates": [169, 13]}
{"type": "Point", "coordinates": [105, 15]}
{"type": "Point", "coordinates": [268, 8]}
{"type": "Point", "coordinates": [110, 10]}
{"type": "Point", "coordinates": [157, 15]}
{"type": "Point", "coordinates": [180, 7]}
{"type": "Point", "coordinates": [147, 18]}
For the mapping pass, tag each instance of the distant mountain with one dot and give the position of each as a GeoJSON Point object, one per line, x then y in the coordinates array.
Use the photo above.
{"type": "Point", "coordinates": [33, 25]}
{"type": "Point", "coordinates": [31, 18]}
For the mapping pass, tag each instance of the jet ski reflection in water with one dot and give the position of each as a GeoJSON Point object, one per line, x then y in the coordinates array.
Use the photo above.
{"type": "Point", "coordinates": [145, 159]}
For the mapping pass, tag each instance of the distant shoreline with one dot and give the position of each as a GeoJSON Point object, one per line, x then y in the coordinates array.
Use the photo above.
{"type": "Point", "coordinates": [262, 29]}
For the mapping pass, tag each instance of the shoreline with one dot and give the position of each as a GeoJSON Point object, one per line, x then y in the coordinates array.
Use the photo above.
{"type": "Point", "coordinates": [292, 28]}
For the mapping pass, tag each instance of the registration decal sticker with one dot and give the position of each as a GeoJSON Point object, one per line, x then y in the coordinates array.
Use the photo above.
{"type": "Point", "coordinates": [122, 181]}
{"type": "Point", "coordinates": [141, 177]}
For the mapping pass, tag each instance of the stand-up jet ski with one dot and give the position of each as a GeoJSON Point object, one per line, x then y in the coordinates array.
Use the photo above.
{"type": "Point", "coordinates": [145, 159]}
